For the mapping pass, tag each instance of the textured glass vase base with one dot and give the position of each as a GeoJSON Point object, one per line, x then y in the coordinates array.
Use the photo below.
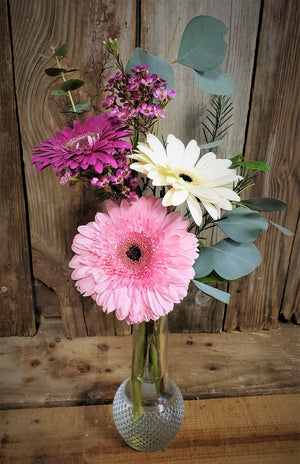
{"type": "Point", "coordinates": [159, 423]}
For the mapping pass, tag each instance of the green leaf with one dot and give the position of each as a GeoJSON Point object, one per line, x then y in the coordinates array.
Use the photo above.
{"type": "Point", "coordinates": [72, 84]}
{"type": "Point", "coordinates": [155, 64]}
{"type": "Point", "coordinates": [282, 229]}
{"type": "Point", "coordinates": [80, 108]}
{"type": "Point", "coordinates": [212, 277]}
{"type": "Point", "coordinates": [204, 265]}
{"type": "Point", "coordinates": [231, 260]}
{"type": "Point", "coordinates": [61, 51]}
{"type": "Point", "coordinates": [257, 165]}
{"type": "Point", "coordinates": [202, 46]}
{"type": "Point", "coordinates": [239, 160]}
{"type": "Point", "coordinates": [214, 292]}
{"type": "Point", "coordinates": [214, 81]}
{"type": "Point", "coordinates": [264, 204]}
{"type": "Point", "coordinates": [242, 225]}
{"type": "Point", "coordinates": [43, 55]}
{"type": "Point", "coordinates": [236, 161]}
{"type": "Point", "coordinates": [54, 71]}
{"type": "Point", "coordinates": [214, 144]}
{"type": "Point", "coordinates": [58, 92]}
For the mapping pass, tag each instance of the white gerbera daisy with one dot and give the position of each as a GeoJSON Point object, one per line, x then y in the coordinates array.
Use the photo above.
{"type": "Point", "coordinates": [207, 180]}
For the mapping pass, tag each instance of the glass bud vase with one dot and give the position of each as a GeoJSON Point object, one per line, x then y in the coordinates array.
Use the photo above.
{"type": "Point", "coordinates": [148, 407]}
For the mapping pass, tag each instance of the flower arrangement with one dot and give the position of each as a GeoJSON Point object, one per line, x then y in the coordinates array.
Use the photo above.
{"type": "Point", "coordinates": [139, 257]}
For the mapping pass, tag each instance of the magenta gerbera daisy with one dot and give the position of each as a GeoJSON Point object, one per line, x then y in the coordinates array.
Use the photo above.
{"type": "Point", "coordinates": [90, 145]}
{"type": "Point", "coordinates": [136, 259]}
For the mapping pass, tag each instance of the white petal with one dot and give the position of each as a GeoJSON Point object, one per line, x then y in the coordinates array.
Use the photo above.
{"type": "Point", "coordinates": [191, 155]}
{"type": "Point", "coordinates": [179, 196]}
{"type": "Point", "coordinates": [227, 193]}
{"type": "Point", "coordinates": [168, 198]}
{"type": "Point", "coordinates": [142, 168]}
{"type": "Point", "coordinates": [195, 209]}
{"type": "Point", "coordinates": [206, 160]}
{"type": "Point", "coordinates": [175, 151]}
{"type": "Point", "coordinates": [159, 153]}
{"type": "Point", "coordinates": [211, 209]}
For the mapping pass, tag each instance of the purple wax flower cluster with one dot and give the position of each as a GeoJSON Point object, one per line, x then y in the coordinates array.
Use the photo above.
{"type": "Point", "coordinates": [118, 178]}
{"type": "Point", "coordinates": [138, 98]}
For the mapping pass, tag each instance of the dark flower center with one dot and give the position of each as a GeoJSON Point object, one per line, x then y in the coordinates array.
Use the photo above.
{"type": "Point", "coordinates": [134, 253]}
{"type": "Point", "coordinates": [185, 177]}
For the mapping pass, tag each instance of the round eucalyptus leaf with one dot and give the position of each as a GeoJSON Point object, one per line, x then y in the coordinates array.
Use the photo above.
{"type": "Point", "coordinates": [155, 64]}
{"type": "Point", "coordinates": [203, 265]}
{"type": "Point", "coordinates": [202, 46]}
{"type": "Point", "coordinates": [214, 81]}
{"type": "Point", "coordinates": [72, 84]}
{"type": "Point", "coordinates": [61, 51]}
{"type": "Point", "coordinates": [242, 225]}
{"type": "Point", "coordinates": [54, 71]}
{"type": "Point", "coordinates": [232, 260]}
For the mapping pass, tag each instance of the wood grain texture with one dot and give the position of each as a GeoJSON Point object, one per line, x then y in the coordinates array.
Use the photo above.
{"type": "Point", "coordinates": [199, 312]}
{"type": "Point", "coordinates": [56, 211]}
{"type": "Point", "coordinates": [290, 309]}
{"type": "Point", "coordinates": [262, 430]}
{"type": "Point", "coordinates": [51, 370]}
{"type": "Point", "coordinates": [16, 299]}
{"type": "Point", "coordinates": [273, 136]}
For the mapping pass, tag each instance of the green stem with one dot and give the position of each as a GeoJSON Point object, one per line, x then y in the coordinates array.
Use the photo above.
{"type": "Point", "coordinates": [69, 92]}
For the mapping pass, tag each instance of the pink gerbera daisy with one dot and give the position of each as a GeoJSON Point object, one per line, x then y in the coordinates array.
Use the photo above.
{"type": "Point", "coordinates": [89, 145]}
{"type": "Point", "coordinates": [135, 259]}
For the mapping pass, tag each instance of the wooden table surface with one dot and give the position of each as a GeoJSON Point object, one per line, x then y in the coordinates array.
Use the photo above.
{"type": "Point", "coordinates": [258, 430]}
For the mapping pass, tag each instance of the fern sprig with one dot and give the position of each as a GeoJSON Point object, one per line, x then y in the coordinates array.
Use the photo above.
{"type": "Point", "coordinates": [218, 118]}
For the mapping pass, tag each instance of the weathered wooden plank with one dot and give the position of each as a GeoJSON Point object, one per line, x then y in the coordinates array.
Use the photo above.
{"type": "Point", "coordinates": [185, 113]}
{"type": "Point", "coordinates": [16, 301]}
{"type": "Point", "coordinates": [50, 370]}
{"type": "Point", "coordinates": [55, 211]}
{"type": "Point", "coordinates": [253, 430]}
{"type": "Point", "coordinates": [273, 136]}
{"type": "Point", "coordinates": [290, 309]}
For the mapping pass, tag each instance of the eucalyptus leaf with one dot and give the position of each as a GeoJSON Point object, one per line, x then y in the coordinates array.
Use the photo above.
{"type": "Point", "coordinates": [264, 204]}
{"type": "Point", "coordinates": [72, 84]}
{"type": "Point", "coordinates": [214, 81]}
{"type": "Point", "coordinates": [229, 259]}
{"type": "Point", "coordinates": [214, 292]}
{"type": "Point", "coordinates": [212, 277]}
{"type": "Point", "coordinates": [233, 260]}
{"type": "Point", "coordinates": [214, 144]}
{"type": "Point", "coordinates": [155, 64]}
{"type": "Point", "coordinates": [202, 46]}
{"type": "Point", "coordinates": [242, 225]}
{"type": "Point", "coordinates": [44, 55]}
{"type": "Point", "coordinates": [54, 71]}
{"type": "Point", "coordinates": [204, 265]}
{"type": "Point", "coordinates": [61, 51]}
{"type": "Point", "coordinates": [282, 229]}
{"type": "Point", "coordinates": [58, 92]}
{"type": "Point", "coordinates": [80, 108]}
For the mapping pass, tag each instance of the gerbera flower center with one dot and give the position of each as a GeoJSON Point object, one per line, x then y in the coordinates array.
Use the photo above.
{"type": "Point", "coordinates": [134, 253]}
{"type": "Point", "coordinates": [81, 141]}
{"type": "Point", "coordinates": [186, 177]}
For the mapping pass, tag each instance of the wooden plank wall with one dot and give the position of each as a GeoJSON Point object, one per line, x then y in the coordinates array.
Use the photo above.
{"type": "Point", "coordinates": [261, 58]}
